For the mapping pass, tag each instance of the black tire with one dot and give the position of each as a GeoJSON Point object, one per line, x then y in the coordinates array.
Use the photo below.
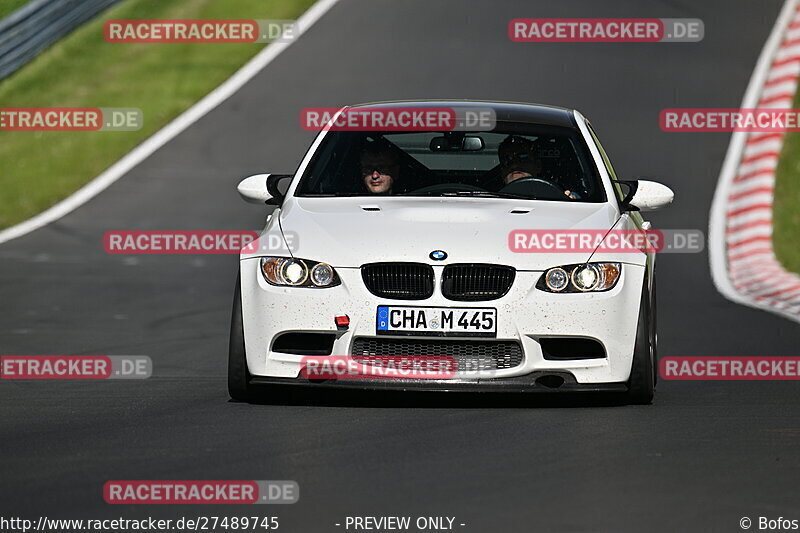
{"type": "Point", "coordinates": [654, 329]}
{"type": "Point", "coordinates": [238, 375]}
{"type": "Point", "coordinates": [641, 384]}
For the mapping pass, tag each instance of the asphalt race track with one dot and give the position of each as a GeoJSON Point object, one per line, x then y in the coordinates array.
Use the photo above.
{"type": "Point", "coordinates": [701, 457]}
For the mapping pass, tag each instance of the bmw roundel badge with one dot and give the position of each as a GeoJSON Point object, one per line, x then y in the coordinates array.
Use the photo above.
{"type": "Point", "coordinates": [438, 255]}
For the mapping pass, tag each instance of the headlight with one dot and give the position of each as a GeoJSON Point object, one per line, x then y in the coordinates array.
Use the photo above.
{"type": "Point", "coordinates": [291, 272]}
{"type": "Point", "coordinates": [556, 279]}
{"type": "Point", "coordinates": [322, 275]}
{"type": "Point", "coordinates": [583, 277]}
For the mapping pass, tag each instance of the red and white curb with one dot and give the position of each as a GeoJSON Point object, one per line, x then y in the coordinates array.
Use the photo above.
{"type": "Point", "coordinates": [743, 264]}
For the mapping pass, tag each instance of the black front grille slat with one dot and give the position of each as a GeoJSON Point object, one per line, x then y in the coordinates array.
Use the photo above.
{"type": "Point", "coordinates": [468, 355]}
{"type": "Point", "coordinates": [476, 282]}
{"type": "Point", "coordinates": [460, 282]}
{"type": "Point", "coordinates": [399, 281]}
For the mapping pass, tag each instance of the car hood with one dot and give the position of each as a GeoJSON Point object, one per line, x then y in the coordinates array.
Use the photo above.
{"type": "Point", "coordinates": [349, 232]}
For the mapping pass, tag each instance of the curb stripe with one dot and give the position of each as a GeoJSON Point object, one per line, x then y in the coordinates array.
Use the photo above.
{"type": "Point", "coordinates": [742, 260]}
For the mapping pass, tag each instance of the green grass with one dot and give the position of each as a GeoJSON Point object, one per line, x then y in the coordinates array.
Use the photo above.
{"type": "Point", "coordinates": [38, 169]}
{"type": "Point", "coordinates": [7, 6]}
{"type": "Point", "coordinates": [786, 208]}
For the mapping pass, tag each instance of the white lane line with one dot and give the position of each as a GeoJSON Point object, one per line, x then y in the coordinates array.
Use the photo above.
{"type": "Point", "coordinates": [170, 131]}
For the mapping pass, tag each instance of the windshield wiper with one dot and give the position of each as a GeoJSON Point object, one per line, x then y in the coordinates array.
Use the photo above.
{"type": "Point", "coordinates": [487, 194]}
{"type": "Point", "coordinates": [426, 193]}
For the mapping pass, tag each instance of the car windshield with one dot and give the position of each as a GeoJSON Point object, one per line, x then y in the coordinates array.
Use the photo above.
{"type": "Point", "coordinates": [515, 161]}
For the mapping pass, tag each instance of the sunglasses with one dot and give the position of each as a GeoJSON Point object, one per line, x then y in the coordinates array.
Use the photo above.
{"type": "Point", "coordinates": [517, 157]}
{"type": "Point", "coordinates": [382, 170]}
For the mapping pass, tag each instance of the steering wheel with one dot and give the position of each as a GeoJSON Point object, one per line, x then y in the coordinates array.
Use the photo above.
{"type": "Point", "coordinates": [447, 187]}
{"type": "Point", "coordinates": [537, 187]}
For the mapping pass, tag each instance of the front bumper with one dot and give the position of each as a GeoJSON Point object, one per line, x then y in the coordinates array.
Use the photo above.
{"type": "Point", "coordinates": [524, 315]}
{"type": "Point", "coordinates": [536, 382]}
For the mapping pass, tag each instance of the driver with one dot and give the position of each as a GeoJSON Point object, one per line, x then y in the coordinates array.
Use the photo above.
{"type": "Point", "coordinates": [518, 160]}
{"type": "Point", "coordinates": [380, 168]}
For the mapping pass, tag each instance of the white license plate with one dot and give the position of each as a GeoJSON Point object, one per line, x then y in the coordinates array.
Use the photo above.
{"type": "Point", "coordinates": [443, 321]}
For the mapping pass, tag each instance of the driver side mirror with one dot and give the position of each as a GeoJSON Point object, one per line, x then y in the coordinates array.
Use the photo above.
{"type": "Point", "coordinates": [267, 189]}
{"type": "Point", "coordinates": [645, 195]}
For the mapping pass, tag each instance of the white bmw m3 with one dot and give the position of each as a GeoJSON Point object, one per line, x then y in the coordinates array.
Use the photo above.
{"type": "Point", "coordinates": [405, 244]}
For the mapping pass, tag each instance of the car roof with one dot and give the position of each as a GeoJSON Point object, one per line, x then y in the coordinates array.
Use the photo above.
{"type": "Point", "coordinates": [504, 111]}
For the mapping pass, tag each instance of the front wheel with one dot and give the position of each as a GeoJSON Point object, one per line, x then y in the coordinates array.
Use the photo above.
{"type": "Point", "coordinates": [238, 375]}
{"type": "Point", "coordinates": [641, 384]}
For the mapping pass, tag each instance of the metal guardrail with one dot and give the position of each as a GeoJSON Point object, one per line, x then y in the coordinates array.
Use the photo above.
{"type": "Point", "coordinates": [38, 24]}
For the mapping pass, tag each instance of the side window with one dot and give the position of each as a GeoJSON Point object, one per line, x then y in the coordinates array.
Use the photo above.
{"type": "Point", "coordinates": [607, 163]}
